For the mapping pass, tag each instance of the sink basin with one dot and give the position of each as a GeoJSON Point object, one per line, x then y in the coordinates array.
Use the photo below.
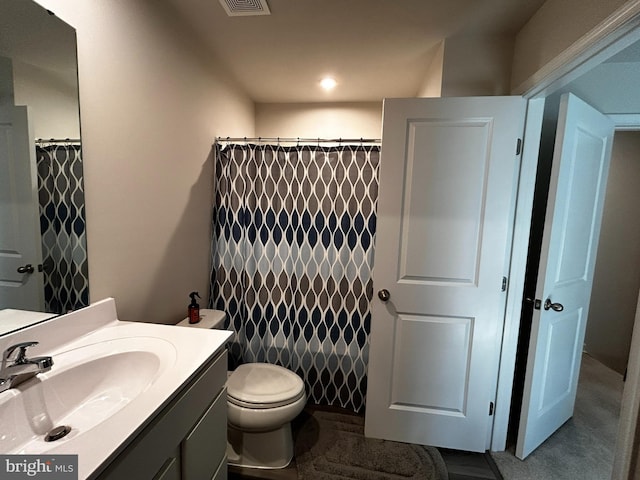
{"type": "Point", "coordinates": [85, 387]}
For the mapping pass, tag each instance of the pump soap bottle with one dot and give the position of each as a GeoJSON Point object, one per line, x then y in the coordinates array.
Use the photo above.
{"type": "Point", "coordinates": [194, 308]}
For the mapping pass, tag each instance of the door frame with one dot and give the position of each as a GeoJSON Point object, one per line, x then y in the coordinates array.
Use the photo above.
{"type": "Point", "coordinates": [615, 33]}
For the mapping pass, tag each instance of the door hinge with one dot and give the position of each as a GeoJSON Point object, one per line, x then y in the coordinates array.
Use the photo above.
{"type": "Point", "coordinates": [490, 408]}
{"type": "Point", "coordinates": [519, 146]}
{"type": "Point", "coordinates": [504, 284]}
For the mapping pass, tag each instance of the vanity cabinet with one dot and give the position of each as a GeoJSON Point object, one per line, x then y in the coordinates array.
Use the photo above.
{"type": "Point", "coordinates": [187, 440]}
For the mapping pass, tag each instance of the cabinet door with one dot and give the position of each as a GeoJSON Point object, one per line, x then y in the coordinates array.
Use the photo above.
{"type": "Point", "coordinates": [221, 474]}
{"type": "Point", "coordinates": [169, 471]}
{"type": "Point", "coordinates": [204, 448]}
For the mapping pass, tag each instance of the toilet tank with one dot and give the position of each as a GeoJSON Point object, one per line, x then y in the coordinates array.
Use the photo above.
{"type": "Point", "coordinates": [211, 319]}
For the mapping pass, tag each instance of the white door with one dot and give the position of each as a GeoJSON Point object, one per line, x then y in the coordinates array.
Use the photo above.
{"type": "Point", "coordinates": [570, 242]}
{"type": "Point", "coordinates": [445, 210]}
{"type": "Point", "coordinates": [20, 242]}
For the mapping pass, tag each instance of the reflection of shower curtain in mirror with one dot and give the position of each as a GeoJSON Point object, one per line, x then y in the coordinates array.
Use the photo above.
{"type": "Point", "coordinates": [62, 223]}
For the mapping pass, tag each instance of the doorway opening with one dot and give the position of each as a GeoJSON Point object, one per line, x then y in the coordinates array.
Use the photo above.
{"type": "Point", "coordinates": [616, 279]}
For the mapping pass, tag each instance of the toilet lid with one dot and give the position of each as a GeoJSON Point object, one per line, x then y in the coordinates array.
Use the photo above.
{"type": "Point", "coordinates": [262, 385]}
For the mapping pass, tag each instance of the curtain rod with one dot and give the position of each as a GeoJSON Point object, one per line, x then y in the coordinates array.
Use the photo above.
{"type": "Point", "coordinates": [58, 140]}
{"type": "Point", "coordinates": [297, 140]}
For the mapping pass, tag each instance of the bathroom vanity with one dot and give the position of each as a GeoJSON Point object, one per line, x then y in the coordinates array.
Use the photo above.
{"type": "Point", "coordinates": [187, 439]}
{"type": "Point", "coordinates": [142, 400]}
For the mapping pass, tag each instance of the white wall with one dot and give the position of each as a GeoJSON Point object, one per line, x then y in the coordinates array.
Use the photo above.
{"type": "Point", "coordinates": [150, 106]}
{"type": "Point", "coordinates": [617, 276]}
{"type": "Point", "coordinates": [476, 65]}
{"type": "Point", "coordinates": [432, 84]}
{"type": "Point", "coordinates": [53, 103]}
{"type": "Point", "coordinates": [6, 81]}
{"type": "Point", "coordinates": [554, 28]}
{"type": "Point", "coordinates": [471, 65]}
{"type": "Point", "coordinates": [319, 120]}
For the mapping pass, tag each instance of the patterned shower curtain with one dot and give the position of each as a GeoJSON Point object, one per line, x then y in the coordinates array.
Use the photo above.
{"type": "Point", "coordinates": [292, 253]}
{"type": "Point", "coordinates": [62, 225]}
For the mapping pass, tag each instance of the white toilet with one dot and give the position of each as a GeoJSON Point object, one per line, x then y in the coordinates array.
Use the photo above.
{"type": "Point", "coordinates": [262, 400]}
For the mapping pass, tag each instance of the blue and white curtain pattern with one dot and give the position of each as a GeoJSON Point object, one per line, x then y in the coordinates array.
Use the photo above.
{"type": "Point", "coordinates": [63, 227]}
{"type": "Point", "coordinates": [292, 254]}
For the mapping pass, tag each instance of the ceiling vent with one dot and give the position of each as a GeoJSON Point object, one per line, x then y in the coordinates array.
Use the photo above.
{"type": "Point", "coordinates": [245, 8]}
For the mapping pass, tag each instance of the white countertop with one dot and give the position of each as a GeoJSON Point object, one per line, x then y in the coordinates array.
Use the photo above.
{"type": "Point", "coordinates": [185, 351]}
{"type": "Point", "coordinates": [11, 319]}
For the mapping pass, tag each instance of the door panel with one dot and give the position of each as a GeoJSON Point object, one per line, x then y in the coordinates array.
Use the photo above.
{"type": "Point", "coordinates": [579, 207]}
{"type": "Point", "coordinates": [429, 339]}
{"type": "Point", "coordinates": [559, 357]}
{"type": "Point", "coordinates": [572, 228]}
{"type": "Point", "coordinates": [444, 200]}
{"type": "Point", "coordinates": [20, 233]}
{"type": "Point", "coordinates": [447, 181]}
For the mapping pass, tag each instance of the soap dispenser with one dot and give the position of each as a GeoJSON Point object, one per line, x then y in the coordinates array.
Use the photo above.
{"type": "Point", "coordinates": [194, 308]}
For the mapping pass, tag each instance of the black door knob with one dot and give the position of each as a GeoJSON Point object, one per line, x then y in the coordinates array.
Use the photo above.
{"type": "Point", "coordinates": [556, 307]}
{"type": "Point", "coordinates": [28, 268]}
{"type": "Point", "coordinates": [384, 295]}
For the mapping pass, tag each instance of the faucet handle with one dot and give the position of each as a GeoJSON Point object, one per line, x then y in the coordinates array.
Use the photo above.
{"type": "Point", "coordinates": [22, 351]}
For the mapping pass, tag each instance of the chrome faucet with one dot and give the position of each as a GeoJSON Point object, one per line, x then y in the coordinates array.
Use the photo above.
{"type": "Point", "coordinates": [16, 370]}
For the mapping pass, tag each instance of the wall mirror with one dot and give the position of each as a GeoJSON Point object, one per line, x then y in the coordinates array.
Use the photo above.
{"type": "Point", "coordinates": [43, 249]}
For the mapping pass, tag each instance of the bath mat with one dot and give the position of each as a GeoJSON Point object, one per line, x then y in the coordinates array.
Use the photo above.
{"type": "Point", "coordinates": [332, 446]}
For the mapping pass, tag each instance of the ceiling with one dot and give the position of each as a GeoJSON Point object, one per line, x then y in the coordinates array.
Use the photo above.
{"type": "Point", "coordinates": [612, 86]}
{"type": "Point", "coordinates": [373, 48]}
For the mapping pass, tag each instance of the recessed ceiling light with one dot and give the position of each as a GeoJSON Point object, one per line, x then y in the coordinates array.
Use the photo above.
{"type": "Point", "coordinates": [328, 83]}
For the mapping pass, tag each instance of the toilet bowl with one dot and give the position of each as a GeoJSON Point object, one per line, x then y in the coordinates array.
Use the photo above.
{"type": "Point", "coordinates": [262, 400]}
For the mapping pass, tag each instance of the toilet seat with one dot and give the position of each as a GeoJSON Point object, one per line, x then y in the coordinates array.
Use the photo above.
{"type": "Point", "coordinates": [263, 385]}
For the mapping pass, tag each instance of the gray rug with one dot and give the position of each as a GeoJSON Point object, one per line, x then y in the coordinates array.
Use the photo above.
{"type": "Point", "coordinates": [331, 446]}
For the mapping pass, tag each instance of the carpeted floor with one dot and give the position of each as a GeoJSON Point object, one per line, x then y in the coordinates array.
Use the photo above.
{"type": "Point", "coordinates": [583, 448]}
{"type": "Point", "coordinates": [331, 446]}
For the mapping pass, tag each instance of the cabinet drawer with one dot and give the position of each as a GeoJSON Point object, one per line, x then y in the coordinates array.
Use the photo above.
{"type": "Point", "coordinates": [169, 471]}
